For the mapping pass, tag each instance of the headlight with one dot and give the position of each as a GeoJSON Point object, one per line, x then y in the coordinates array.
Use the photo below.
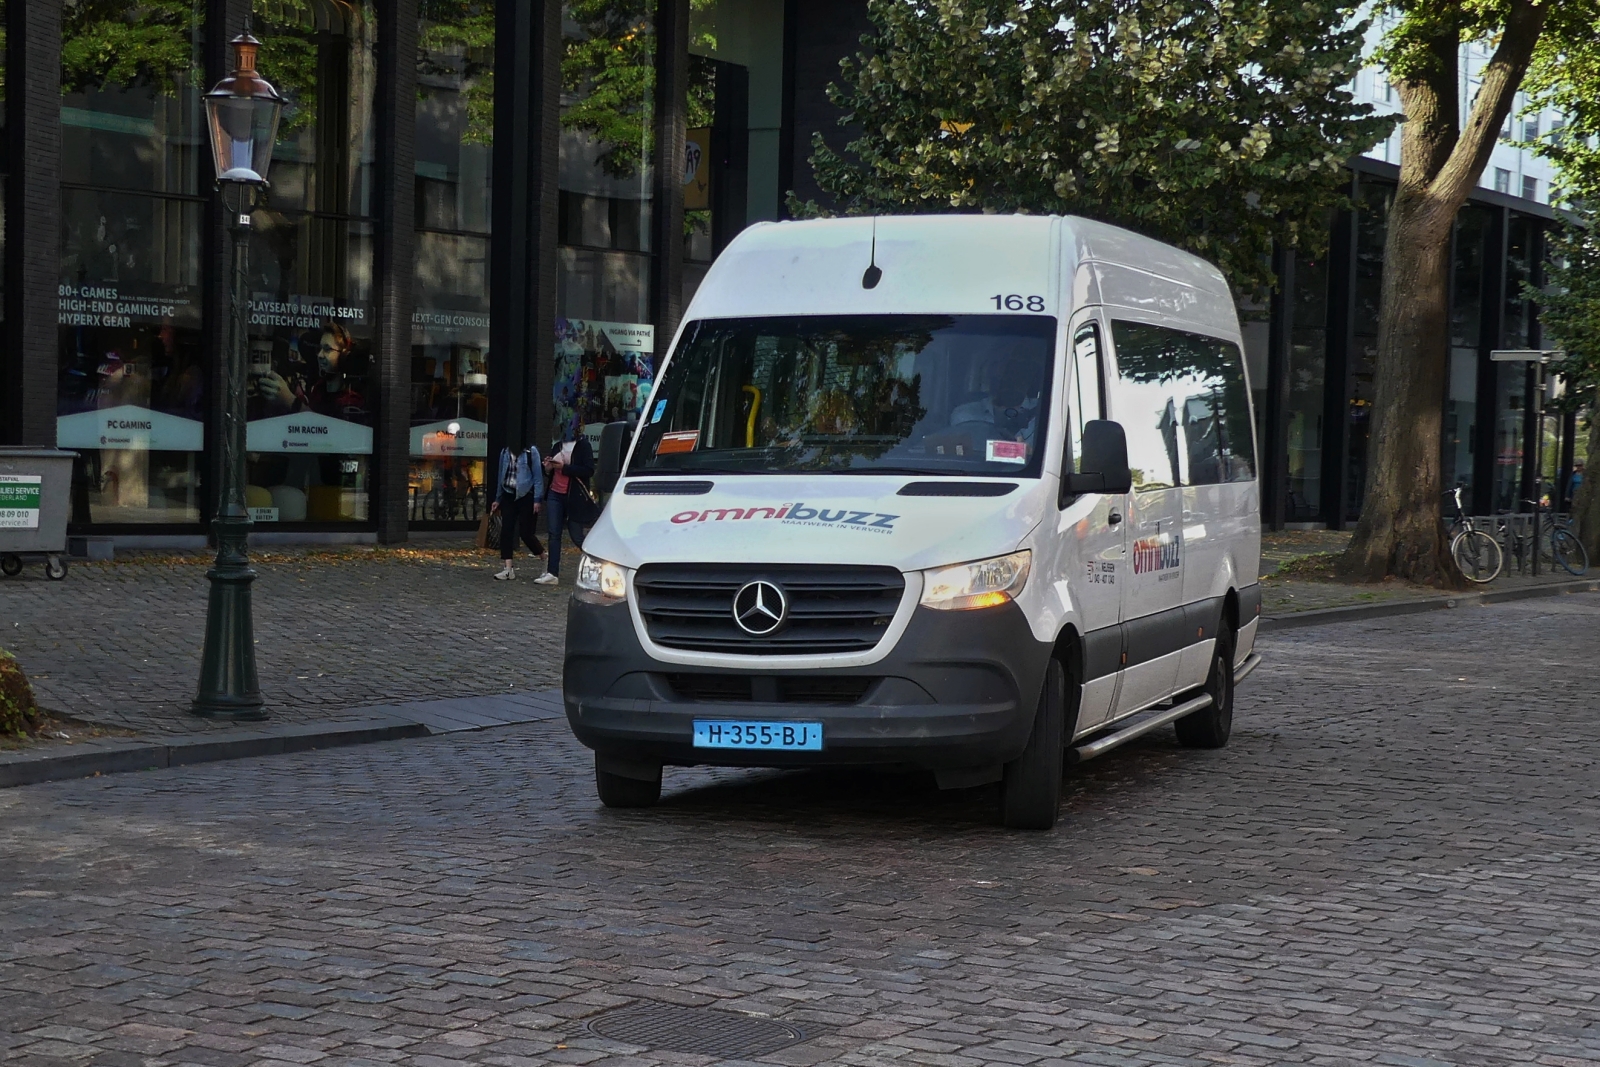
{"type": "Point", "coordinates": [600, 582]}
{"type": "Point", "coordinates": [987, 583]}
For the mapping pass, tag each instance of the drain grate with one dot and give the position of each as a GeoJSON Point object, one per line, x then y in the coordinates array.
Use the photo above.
{"type": "Point", "coordinates": [674, 1028]}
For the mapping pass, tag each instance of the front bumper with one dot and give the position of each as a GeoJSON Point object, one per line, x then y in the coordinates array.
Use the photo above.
{"type": "Point", "coordinates": [958, 690]}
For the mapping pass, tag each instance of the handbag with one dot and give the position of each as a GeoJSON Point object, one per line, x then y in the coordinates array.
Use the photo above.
{"type": "Point", "coordinates": [489, 531]}
{"type": "Point", "coordinates": [581, 502]}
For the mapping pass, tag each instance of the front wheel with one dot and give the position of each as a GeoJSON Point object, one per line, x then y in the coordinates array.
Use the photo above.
{"type": "Point", "coordinates": [11, 565]}
{"type": "Point", "coordinates": [617, 791]}
{"type": "Point", "coordinates": [1568, 552]}
{"type": "Point", "coordinates": [54, 569]}
{"type": "Point", "coordinates": [1211, 727]}
{"type": "Point", "coordinates": [1030, 793]}
{"type": "Point", "coordinates": [1477, 555]}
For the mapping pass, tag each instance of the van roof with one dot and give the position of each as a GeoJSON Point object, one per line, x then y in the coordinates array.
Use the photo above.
{"type": "Point", "coordinates": [956, 264]}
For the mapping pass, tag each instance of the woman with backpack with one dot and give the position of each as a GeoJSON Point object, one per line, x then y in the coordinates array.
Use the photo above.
{"type": "Point", "coordinates": [570, 504]}
{"type": "Point", "coordinates": [519, 485]}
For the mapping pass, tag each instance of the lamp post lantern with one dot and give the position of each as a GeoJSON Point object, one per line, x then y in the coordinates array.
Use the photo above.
{"type": "Point", "coordinates": [242, 116]}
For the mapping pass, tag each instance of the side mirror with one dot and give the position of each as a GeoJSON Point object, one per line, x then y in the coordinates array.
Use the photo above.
{"type": "Point", "coordinates": [608, 465]}
{"type": "Point", "coordinates": [1104, 463]}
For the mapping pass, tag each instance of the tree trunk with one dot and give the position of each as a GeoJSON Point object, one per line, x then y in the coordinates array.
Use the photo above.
{"type": "Point", "coordinates": [1400, 531]}
{"type": "Point", "coordinates": [1440, 164]}
{"type": "Point", "coordinates": [1586, 507]}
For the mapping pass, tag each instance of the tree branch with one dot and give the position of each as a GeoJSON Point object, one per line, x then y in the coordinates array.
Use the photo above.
{"type": "Point", "coordinates": [1501, 79]}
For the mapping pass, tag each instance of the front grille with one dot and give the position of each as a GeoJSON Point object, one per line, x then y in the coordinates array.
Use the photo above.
{"type": "Point", "coordinates": [831, 608]}
{"type": "Point", "coordinates": [796, 689]}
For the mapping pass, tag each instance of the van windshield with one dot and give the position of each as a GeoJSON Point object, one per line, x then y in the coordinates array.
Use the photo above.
{"type": "Point", "coordinates": [912, 394]}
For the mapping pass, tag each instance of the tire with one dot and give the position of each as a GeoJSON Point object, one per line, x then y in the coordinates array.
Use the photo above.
{"type": "Point", "coordinates": [618, 792]}
{"type": "Point", "coordinates": [1210, 727]}
{"type": "Point", "coordinates": [1030, 792]}
{"type": "Point", "coordinates": [55, 569]}
{"type": "Point", "coordinates": [1477, 555]}
{"type": "Point", "coordinates": [10, 565]}
{"type": "Point", "coordinates": [1568, 552]}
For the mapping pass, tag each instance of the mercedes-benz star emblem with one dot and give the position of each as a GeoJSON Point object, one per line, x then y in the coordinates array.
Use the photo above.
{"type": "Point", "coordinates": [760, 608]}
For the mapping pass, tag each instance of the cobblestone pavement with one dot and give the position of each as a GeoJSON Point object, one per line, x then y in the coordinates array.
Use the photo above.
{"type": "Point", "coordinates": [1396, 861]}
{"type": "Point", "coordinates": [119, 643]}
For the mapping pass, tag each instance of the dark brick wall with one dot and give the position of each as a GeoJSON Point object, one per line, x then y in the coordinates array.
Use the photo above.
{"type": "Point", "coordinates": [820, 32]}
{"type": "Point", "coordinates": [33, 222]}
{"type": "Point", "coordinates": [396, 254]}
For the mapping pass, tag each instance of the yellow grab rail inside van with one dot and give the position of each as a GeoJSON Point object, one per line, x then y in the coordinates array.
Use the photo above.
{"type": "Point", "coordinates": [750, 423]}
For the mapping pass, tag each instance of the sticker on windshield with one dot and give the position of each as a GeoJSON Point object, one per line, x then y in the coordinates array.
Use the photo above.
{"type": "Point", "coordinates": [661, 409]}
{"type": "Point", "coordinates": [679, 441]}
{"type": "Point", "coordinates": [1007, 451]}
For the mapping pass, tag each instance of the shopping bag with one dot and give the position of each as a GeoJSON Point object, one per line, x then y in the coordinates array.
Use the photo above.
{"type": "Point", "coordinates": [489, 531]}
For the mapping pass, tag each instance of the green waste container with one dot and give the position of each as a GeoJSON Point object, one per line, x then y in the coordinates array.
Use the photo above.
{"type": "Point", "coordinates": [35, 491]}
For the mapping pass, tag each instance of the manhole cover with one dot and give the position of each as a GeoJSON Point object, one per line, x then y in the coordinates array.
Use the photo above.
{"type": "Point", "coordinates": [672, 1028]}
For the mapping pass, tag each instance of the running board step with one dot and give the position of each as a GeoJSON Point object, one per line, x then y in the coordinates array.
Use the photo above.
{"type": "Point", "coordinates": [1152, 720]}
{"type": "Point", "coordinates": [1242, 671]}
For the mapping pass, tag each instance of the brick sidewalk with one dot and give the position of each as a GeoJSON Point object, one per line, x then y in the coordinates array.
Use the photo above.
{"type": "Point", "coordinates": [118, 644]}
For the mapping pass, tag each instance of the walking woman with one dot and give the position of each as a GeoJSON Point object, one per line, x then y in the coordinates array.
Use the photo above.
{"type": "Point", "coordinates": [570, 502]}
{"type": "Point", "coordinates": [520, 479]}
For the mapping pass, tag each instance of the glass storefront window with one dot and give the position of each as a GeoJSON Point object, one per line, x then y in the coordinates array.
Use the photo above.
{"type": "Point", "coordinates": [736, 112]}
{"type": "Point", "coordinates": [450, 319]}
{"type": "Point", "coordinates": [132, 374]}
{"type": "Point", "coordinates": [1307, 373]}
{"type": "Point", "coordinates": [605, 344]}
{"type": "Point", "coordinates": [1372, 213]}
{"type": "Point", "coordinates": [312, 373]}
{"type": "Point", "coordinates": [1466, 317]}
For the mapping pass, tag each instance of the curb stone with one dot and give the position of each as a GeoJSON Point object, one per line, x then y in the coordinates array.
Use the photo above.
{"type": "Point", "coordinates": [388, 723]}
{"type": "Point", "coordinates": [1362, 612]}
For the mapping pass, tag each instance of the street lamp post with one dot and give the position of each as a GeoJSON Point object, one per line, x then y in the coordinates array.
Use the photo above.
{"type": "Point", "coordinates": [242, 115]}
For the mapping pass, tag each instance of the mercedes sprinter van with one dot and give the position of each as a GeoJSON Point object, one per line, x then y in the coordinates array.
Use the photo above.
{"type": "Point", "coordinates": [970, 493]}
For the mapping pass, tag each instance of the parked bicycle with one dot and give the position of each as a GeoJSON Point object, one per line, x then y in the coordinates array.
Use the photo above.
{"type": "Point", "coordinates": [1558, 545]}
{"type": "Point", "coordinates": [1476, 553]}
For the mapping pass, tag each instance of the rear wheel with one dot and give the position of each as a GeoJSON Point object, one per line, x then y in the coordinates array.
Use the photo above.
{"type": "Point", "coordinates": [1477, 555]}
{"type": "Point", "coordinates": [11, 565]}
{"type": "Point", "coordinates": [617, 791]}
{"type": "Point", "coordinates": [54, 569]}
{"type": "Point", "coordinates": [1030, 793]}
{"type": "Point", "coordinates": [1568, 551]}
{"type": "Point", "coordinates": [1210, 727]}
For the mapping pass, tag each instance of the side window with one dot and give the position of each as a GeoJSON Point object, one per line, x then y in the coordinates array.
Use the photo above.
{"type": "Point", "coordinates": [1181, 397]}
{"type": "Point", "coordinates": [1088, 385]}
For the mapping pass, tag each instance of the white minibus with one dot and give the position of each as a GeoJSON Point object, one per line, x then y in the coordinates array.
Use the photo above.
{"type": "Point", "coordinates": [970, 493]}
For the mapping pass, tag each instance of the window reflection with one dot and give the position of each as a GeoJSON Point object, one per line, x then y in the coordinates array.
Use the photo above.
{"type": "Point", "coordinates": [450, 319]}
{"type": "Point", "coordinates": [132, 376]}
{"type": "Point", "coordinates": [312, 374]}
{"type": "Point", "coordinates": [1181, 399]}
{"type": "Point", "coordinates": [605, 344]}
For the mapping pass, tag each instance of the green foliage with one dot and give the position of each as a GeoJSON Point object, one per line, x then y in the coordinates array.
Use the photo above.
{"type": "Point", "coordinates": [608, 79]}
{"type": "Point", "coordinates": [107, 44]}
{"type": "Point", "coordinates": [608, 74]}
{"type": "Point", "coordinates": [1410, 49]}
{"type": "Point", "coordinates": [290, 32]}
{"type": "Point", "coordinates": [1565, 76]}
{"type": "Point", "coordinates": [1216, 125]}
{"type": "Point", "coordinates": [19, 713]}
{"type": "Point", "coordinates": [457, 43]}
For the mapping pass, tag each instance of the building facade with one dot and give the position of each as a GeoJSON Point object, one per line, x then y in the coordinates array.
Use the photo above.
{"type": "Point", "coordinates": [483, 224]}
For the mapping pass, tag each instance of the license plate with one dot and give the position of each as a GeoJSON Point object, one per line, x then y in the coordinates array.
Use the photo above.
{"type": "Point", "coordinates": [779, 736]}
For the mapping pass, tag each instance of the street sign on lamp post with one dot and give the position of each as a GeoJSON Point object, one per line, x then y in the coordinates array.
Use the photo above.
{"type": "Point", "coordinates": [242, 114]}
